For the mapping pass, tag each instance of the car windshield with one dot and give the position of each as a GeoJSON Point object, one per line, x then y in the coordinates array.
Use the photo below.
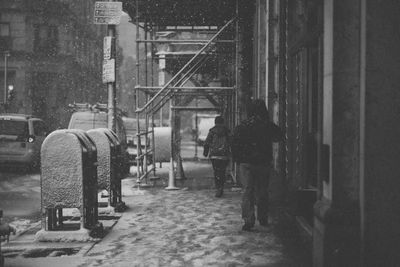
{"type": "Point", "coordinates": [10, 127]}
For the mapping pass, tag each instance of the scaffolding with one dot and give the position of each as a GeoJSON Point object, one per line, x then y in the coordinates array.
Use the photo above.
{"type": "Point", "coordinates": [177, 38]}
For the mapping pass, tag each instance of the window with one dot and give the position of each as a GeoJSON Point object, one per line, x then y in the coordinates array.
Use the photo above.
{"type": "Point", "coordinates": [45, 39]}
{"type": "Point", "coordinates": [11, 127]}
{"type": "Point", "coordinates": [4, 29]}
{"type": "Point", "coordinates": [52, 39]}
{"type": "Point", "coordinates": [5, 36]}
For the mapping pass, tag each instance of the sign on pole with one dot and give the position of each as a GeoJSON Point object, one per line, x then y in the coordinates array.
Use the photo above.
{"type": "Point", "coordinates": [109, 71]}
{"type": "Point", "coordinates": [107, 13]}
{"type": "Point", "coordinates": [107, 46]}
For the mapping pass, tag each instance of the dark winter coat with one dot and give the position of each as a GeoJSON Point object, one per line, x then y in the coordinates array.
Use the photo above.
{"type": "Point", "coordinates": [252, 140]}
{"type": "Point", "coordinates": [216, 132]}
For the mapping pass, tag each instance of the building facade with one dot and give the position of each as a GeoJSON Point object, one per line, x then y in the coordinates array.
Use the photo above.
{"type": "Point", "coordinates": [55, 54]}
{"type": "Point", "coordinates": [331, 81]}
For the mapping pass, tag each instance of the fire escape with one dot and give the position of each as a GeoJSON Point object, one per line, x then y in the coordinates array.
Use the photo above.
{"type": "Point", "coordinates": [186, 52]}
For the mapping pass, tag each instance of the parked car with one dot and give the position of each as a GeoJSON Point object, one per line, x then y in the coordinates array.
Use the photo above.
{"type": "Point", "coordinates": [21, 138]}
{"type": "Point", "coordinates": [93, 118]}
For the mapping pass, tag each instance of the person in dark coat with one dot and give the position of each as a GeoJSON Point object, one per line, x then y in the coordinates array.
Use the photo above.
{"type": "Point", "coordinates": [217, 147]}
{"type": "Point", "coordinates": [252, 150]}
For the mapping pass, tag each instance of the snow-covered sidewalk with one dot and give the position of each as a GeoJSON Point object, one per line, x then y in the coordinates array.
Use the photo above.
{"type": "Point", "coordinates": [187, 227]}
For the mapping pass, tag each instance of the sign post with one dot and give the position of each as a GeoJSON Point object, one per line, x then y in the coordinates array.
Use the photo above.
{"type": "Point", "coordinates": [109, 13]}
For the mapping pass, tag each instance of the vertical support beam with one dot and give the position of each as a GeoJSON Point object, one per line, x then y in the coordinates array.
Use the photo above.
{"type": "Point", "coordinates": [363, 53]}
{"type": "Point", "coordinates": [146, 77]}
{"type": "Point", "coordinates": [146, 119]}
{"type": "Point", "coordinates": [336, 235]}
{"type": "Point", "coordinates": [196, 121]}
{"type": "Point", "coordinates": [5, 102]}
{"type": "Point", "coordinates": [171, 178]}
{"type": "Point", "coordinates": [153, 144]}
{"type": "Point", "coordinates": [138, 173]}
{"type": "Point", "coordinates": [237, 47]}
{"type": "Point", "coordinates": [161, 79]}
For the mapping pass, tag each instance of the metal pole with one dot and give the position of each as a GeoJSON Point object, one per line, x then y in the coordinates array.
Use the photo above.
{"type": "Point", "coordinates": [111, 85]}
{"type": "Point", "coordinates": [153, 154]}
{"type": "Point", "coordinates": [171, 176]}
{"type": "Point", "coordinates": [196, 137]}
{"type": "Point", "coordinates": [137, 94]}
{"type": "Point", "coordinates": [6, 55]}
{"type": "Point", "coordinates": [237, 113]}
{"type": "Point", "coordinates": [146, 118]}
{"type": "Point", "coordinates": [161, 80]}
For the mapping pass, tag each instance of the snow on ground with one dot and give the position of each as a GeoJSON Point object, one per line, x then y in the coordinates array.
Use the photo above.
{"type": "Point", "coordinates": [186, 228]}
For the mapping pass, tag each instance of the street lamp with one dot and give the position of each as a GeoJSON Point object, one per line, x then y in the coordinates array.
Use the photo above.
{"type": "Point", "coordinates": [6, 55]}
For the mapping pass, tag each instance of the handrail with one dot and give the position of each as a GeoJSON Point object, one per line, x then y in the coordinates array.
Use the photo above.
{"type": "Point", "coordinates": [167, 95]}
{"type": "Point", "coordinates": [185, 66]}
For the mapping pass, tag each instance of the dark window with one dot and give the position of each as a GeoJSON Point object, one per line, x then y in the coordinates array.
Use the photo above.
{"type": "Point", "coordinates": [10, 127]}
{"type": "Point", "coordinates": [4, 29]}
{"type": "Point", "coordinates": [5, 36]}
{"type": "Point", "coordinates": [52, 39]}
{"type": "Point", "coordinates": [45, 39]}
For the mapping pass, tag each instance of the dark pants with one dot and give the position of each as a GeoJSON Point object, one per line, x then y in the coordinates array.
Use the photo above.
{"type": "Point", "coordinates": [219, 167]}
{"type": "Point", "coordinates": [255, 180]}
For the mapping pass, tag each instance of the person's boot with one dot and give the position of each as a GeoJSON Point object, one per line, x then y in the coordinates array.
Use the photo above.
{"type": "Point", "coordinates": [219, 187]}
{"type": "Point", "coordinates": [219, 192]}
{"type": "Point", "coordinates": [247, 227]}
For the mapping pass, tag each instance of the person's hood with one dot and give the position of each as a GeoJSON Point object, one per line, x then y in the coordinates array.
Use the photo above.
{"type": "Point", "coordinates": [220, 130]}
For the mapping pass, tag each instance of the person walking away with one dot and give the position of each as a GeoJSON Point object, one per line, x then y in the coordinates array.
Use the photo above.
{"type": "Point", "coordinates": [252, 150]}
{"type": "Point", "coordinates": [217, 147]}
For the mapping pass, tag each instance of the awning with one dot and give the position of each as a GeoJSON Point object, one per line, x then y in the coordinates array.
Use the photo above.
{"type": "Point", "coordinates": [182, 12]}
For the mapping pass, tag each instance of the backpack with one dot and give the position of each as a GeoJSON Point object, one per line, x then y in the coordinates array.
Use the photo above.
{"type": "Point", "coordinates": [219, 145]}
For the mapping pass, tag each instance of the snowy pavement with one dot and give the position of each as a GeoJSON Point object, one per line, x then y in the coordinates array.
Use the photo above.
{"type": "Point", "coordinates": [187, 227]}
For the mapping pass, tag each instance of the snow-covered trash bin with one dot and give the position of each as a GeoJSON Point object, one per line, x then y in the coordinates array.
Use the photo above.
{"type": "Point", "coordinates": [68, 181]}
{"type": "Point", "coordinates": [5, 231]}
{"type": "Point", "coordinates": [109, 169]}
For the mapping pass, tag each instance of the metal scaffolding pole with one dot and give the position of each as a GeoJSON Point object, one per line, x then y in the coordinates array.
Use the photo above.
{"type": "Point", "coordinates": [146, 119]}
{"type": "Point", "coordinates": [237, 64]}
{"type": "Point", "coordinates": [152, 117]}
{"type": "Point", "coordinates": [137, 115]}
{"type": "Point", "coordinates": [222, 96]}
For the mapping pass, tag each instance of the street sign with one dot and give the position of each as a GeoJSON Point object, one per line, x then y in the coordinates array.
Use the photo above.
{"type": "Point", "coordinates": [107, 47]}
{"type": "Point", "coordinates": [107, 13]}
{"type": "Point", "coordinates": [109, 71]}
